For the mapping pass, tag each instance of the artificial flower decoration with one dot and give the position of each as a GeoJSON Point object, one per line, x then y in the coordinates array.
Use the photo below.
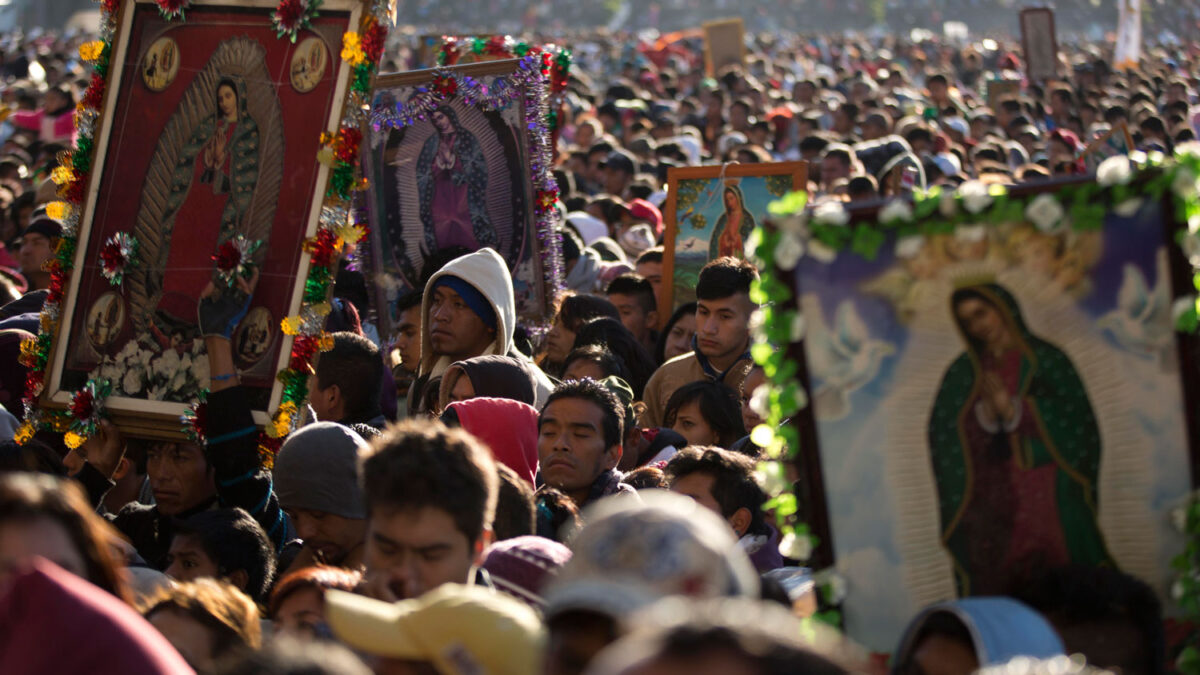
{"type": "Point", "coordinates": [172, 9]}
{"type": "Point", "coordinates": [445, 85]}
{"type": "Point", "coordinates": [91, 51]}
{"type": "Point", "coordinates": [87, 409]}
{"type": "Point", "coordinates": [195, 420]}
{"type": "Point", "coordinates": [1115, 170]}
{"type": "Point", "coordinates": [831, 213]}
{"type": "Point", "coordinates": [352, 51]}
{"type": "Point", "coordinates": [1045, 212]}
{"type": "Point", "coordinates": [233, 258]}
{"type": "Point", "coordinates": [975, 196]}
{"type": "Point", "coordinates": [290, 16]}
{"type": "Point", "coordinates": [117, 254]}
{"type": "Point", "coordinates": [374, 39]}
{"type": "Point", "coordinates": [896, 211]}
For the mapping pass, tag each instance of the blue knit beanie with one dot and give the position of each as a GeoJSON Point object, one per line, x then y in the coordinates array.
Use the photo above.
{"type": "Point", "coordinates": [475, 300]}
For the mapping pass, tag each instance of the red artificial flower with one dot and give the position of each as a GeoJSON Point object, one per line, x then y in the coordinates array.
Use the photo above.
{"type": "Point", "coordinates": [82, 405]}
{"type": "Point", "coordinates": [172, 8]}
{"type": "Point", "coordinates": [112, 258]}
{"type": "Point", "coordinates": [228, 256]}
{"type": "Point", "coordinates": [57, 282]}
{"type": "Point", "coordinates": [374, 38]}
{"type": "Point", "coordinates": [197, 422]}
{"type": "Point", "coordinates": [445, 85]}
{"type": "Point", "coordinates": [109, 6]}
{"type": "Point", "coordinates": [289, 13]}
{"type": "Point", "coordinates": [323, 247]}
{"type": "Point", "coordinates": [304, 348]}
{"type": "Point", "coordinates": [546, 199]}
{"type": "Point", "coordinates": [345, 146]}
{"type": "Point", "coordinates": [73, 192]}
{"type": "Point", "coordinates": [495, 46]}
{"type": "Point", "coordinates": [33, 384]}
{"type": "Point", "coordinates": [93, 96]}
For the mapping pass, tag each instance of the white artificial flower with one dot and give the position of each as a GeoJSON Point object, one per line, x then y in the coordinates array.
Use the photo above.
{"type": "Point", "coordinates": [132, 382]}
{"type": "Point", "coordinates": [897, 210]}
{"type": "Point", "coordinates": [796, 547]}
{"type": "Point", "coordinates": [1177, 590]}
{"type": "Point", "coordinates": [796, 223]}
{"type": "Point", "coordinates": [762, 436]}
{"type": "Point", "coordinates": [971, 234]}
{"type": "Point", "coordinates": [820, 252]}
{"type": "Point", "coordinates": [1184, 185]}
{"type": "Point", "coordinates": [909, 247]}
{"type": "Point", "coordinates": [1182, 306]}
{"type": "Point", "coordinates": [167, 363]}
{"type": "Point", "coordinates": [1179, 518]}
{"type": "Point", "coordinates": [1129, 207]}
{"type": "Point", "coordinates": [797, 327]}
{"type": "Point", "coordinates": [771, 475]}
{"type": "Point", "coordinates": [758, 400]}
{"type": "Point", "coordinates": [1045, 212]}
{"type": "Point", "coordinates": [1191, 148]}
{"type": "Point", "coordinates": [752, 243]}
{"type": "Point", "coordinates": [831, 212]}
{"type": "Point", "coordinates": [975, 196]}
{"type": "Point", "coordinates": [788, 251]}
{"type": "Point", "coordinates": [1114, 171]}
{"type": "Point", "coordinates": [836, 584]}
{"type": "Point", "coordinates": [757, 320]}
{"type": "Point", "coordinates": [155, 393]}
{"type": "Point", "coordinates": [1191, 248]}
{"type": "Point", "coordinates": [947, 205]}
{"type": "Point", "coordinates": [179, 381]}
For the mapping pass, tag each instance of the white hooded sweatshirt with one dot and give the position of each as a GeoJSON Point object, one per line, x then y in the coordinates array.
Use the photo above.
{"type": "Point", "coordinates": [487, 272]}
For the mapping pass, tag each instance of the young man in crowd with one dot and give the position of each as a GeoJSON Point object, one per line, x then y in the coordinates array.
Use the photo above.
{"type": "Point", "coordinates": [722, 339]}
{"type": "Point", "coordinates": [580, 430]}
{"type": "Point", "coordinates": [723, 481]}
{"type": "Point", "coordinates": [223, 544]}
{"type": "Point", "coordinates": [469, 310]}
{"type": "Point", "coordinates": [346, 386]}
{"type": "Point", "coordinates": [634, 298]}
{"type": "Point", "coordinates": [407, 336]}
{"type": "Point", "coordinates": [38, 241]}
{"type": "Point", "coordinates": [649, 266]}
{"type": "Point", "coordinates": [316, 480]}
{"type": "Point", "coordinates": [430, 497]}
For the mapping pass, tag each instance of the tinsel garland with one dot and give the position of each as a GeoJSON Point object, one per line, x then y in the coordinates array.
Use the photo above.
{"type": "Point", "coordinates": [556, 61]}
{"type": "Point", "coordinates": [527, 85]}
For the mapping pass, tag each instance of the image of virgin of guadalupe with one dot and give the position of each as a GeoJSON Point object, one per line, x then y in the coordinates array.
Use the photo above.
{"type": "Point", "coordinates": [452, 183]}
{"type": "Point", "coordinates": [1015, 448]}
{"type": "Point", "coordinates": [212, 182]}
{"type": "Point", "coordinates": [733, 227]}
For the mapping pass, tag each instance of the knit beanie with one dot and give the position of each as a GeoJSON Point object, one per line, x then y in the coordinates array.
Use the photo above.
{"type": "Point", "coordinates": [475, 300]}
{"type": "Point", "coordinates": [317, 470]}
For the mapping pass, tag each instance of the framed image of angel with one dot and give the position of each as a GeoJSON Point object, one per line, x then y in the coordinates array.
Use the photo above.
{"type": "Point", "coordinates": [710, 212]}
{"type": "Point", "coordinates": [992, 401]}
{"type": "Point", "coordinates": [457, 158]}
{"type": "Point", "coordinates": [205, 167]}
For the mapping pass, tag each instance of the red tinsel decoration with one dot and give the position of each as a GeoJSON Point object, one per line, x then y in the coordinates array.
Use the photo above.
{"type": "Point", "coordinates": [82, 405]}
{"type": "Point", "coordinates": [93, 96]}
{"type": "Point", "coordinates": [228, 256]}
{"type": "Point", "coordinates": [449, 51]}
{"type": "Point", "coordinates": [373, 40]}
{"type": "Point", "coordinates": [323, 247]}
{"type": "Point", "coordinates": [73, 192]}
{"type": "Point", "coordinates": [289, 12]}
{"type": "Point", "coordinates": [345, 146]}
{"type": "Point", "coordinates": [495, 46]}
{"type": "Point", "coordinates": [109, 6]}
{"type": "Point", "coordinates": [33, 384]}
{"type": "Point", "coordinates": [446, 86]}
{"type": "Point", "coordinates": [57, 282]}
{"type": "Point", "coordinates": [304, 348]}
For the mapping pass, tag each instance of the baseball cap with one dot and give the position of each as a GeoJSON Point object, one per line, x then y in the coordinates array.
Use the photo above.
{"type": "Point", "coordinates": [461, 630]}
{"type": "Point", "coordinates": [44, 225]}
{"type": "Point", "coordinates": [640, 548]}
{"type": "Point", "coordinates": [646, 212]}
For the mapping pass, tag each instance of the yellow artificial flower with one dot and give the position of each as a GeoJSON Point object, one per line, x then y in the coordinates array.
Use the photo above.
{"type": "Point", "coordinates": [62, 175]}
{"type": "Point", "coordinates": [24, 433]}
{"type": "Point", "coordinates": [74, 440]}
{"type": "Point", "coordinates": [352, 51]}
{"type": "Point", "coordinates": [90, 51]}
{"type": "Point", "coordinates": [290, 325]}
{"type": "Point", "coordinates": [58, 210]}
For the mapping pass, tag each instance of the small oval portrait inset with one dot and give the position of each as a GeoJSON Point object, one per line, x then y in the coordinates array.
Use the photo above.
{"type": "Point", "coordinates": [105, 319]}
{"type": "Point", "coordinates": [309, 62]}
{"type": "Point", "coordinates": [253, 336]}
{"type": "Point", "coordinates": [161, 64]}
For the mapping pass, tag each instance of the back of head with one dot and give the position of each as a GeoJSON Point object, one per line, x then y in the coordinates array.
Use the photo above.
{"type": "Point", "coordinates": [286, 655]}
{"type": "Point", "coordinates": [577, 309]}
{"type": "Point", "coordinates": [416, 465]}
{"type": "Point", "coordinates": [614, 336]}
{"type": "Point", "coordinates": [230, 615]}
{"type": "Point", "coordinates": [354, 365]}
{"type": "Point", "coordinates": [514, 506]}
{"type": "Point", "coordinates": [317, 469]}
{"type": "Point", "coordinates": [724, 277]}
{"type": "Point", "coordinates": [235, 542]}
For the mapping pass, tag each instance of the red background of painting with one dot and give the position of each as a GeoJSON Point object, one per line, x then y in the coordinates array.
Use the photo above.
{"type": "Point", "coordinates": [141, 115]}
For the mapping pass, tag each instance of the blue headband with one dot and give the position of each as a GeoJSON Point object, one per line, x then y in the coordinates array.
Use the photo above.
{"type": "Point", "coordinates": [470, 295]}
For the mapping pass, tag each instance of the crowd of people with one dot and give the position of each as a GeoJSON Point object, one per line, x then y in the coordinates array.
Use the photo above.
{"type": "Point", "coordinates": [471, 496]}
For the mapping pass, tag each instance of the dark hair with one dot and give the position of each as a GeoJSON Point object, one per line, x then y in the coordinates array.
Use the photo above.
{"type": "Point", "coordinates": [557, 514]}
{"type": "Point", "coordinates": [719, 406]}
{"type": "Point", "coordinates": [1081, 594]}
{"type": "Point", "coordinates": [646, 478]}
{"type": "Point", "coordinates": [406, 302]}
{"type": "Point", "coordinates": [27, 497]}
{"type": "Point", "coordinates": [734, 486]}
{"type": "Point", "coordinates": [653, 254]}
{"type": "Point", "coordinates": [354, 365]}
{"type": "Point", "coordinates": [33, 456]}
{"type": "Point", "coordinates": [637, 286]}
{"type": "Point", "coordinates": [941, 623]}
{"type": "Point", "coordinates": [514, 506]}
{"type": "Point", "coordinates": [614, 336]}
{"type": "Point", "coordinates": [229, 613]}
{"type": "Point", "coordinates": [576, 309]}
{"type": "Point", "coordinates": [602, 357]}
{"type": "Point", "coordinates": [319, 577]}
{"type": "Point", "coordinates": [418, 464]}
{"type": "Point", "coordinates": [725, 277]}
{"type": "Point", "coordinates": [937, 78]}
{"type": "Point", "coordinates": [235, 541]}
{"type": "Point", "coordinates": [286, 655]}
{"type": "Point", "coordinates": [660, 349]}
{"type": "Point", "coordinates": [591, 390]}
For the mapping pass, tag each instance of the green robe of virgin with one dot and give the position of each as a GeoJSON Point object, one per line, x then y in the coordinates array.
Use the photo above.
{"type": "Point", "coordinates": [978, 480]}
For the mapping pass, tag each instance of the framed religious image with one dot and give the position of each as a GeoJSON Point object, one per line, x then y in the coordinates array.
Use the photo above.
{"type": "Point", "coordinates": [1040, 43]}
{"type": "Point", "coordinates": [724, 44]}
{"type": "Point", "coordinates": [709, 213]}
{"type": "Point", "coordinates": [1115, 141]}
{"type": "Point", "coordinates": [206, 143]}
{"type": "Point", "coordinates": [456, 158]}
{"type": "Point", "coordinates": [990, 402]}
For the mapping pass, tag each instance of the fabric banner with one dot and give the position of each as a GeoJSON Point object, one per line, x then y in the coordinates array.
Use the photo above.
{"type": "Point", "coordinates": [1129, 34]}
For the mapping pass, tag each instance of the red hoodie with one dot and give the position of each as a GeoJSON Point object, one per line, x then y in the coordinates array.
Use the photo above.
{"type": "Point", "coordinates": [508, 427]}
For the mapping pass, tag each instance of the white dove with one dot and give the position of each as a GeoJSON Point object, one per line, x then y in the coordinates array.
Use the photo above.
{"type": "Point", "coordinates": [1142, 322]}
{"type": "Point", "coordinates": [842, 360]}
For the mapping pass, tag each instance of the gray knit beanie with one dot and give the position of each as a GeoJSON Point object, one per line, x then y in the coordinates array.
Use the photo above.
{"type": "Point", "coordinates": [317, 470]}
